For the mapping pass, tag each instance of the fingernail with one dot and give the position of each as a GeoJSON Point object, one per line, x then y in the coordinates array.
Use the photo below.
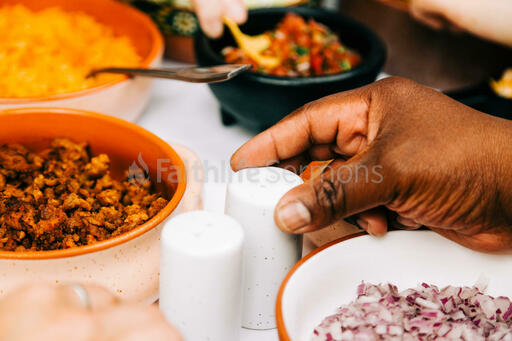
{"type": "Point", "coordinates": [362, 224]}
{"type": "Point", "coordinates": [294, 216]}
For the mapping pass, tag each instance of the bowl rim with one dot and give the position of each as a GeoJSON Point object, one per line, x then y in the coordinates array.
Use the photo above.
{"type": "Point", "coordinates": [127, 236]}
{"type": "Point", "coordinates": [155, 53]}
{"type": "Point", "coordinates": [376, 57]}
{"type": "Point", "coordinates": [281, 327]}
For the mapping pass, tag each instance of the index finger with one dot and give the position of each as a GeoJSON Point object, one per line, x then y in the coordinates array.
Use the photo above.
{"type": "Point", "coordinates": [340, 120]}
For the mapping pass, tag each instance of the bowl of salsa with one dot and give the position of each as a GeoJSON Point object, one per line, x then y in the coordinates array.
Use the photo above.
{"type": "Point", "coordinates": [321, 52]}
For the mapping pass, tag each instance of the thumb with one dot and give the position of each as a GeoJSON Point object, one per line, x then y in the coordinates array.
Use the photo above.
{"type": "Point", "coordinates": [343, 189]}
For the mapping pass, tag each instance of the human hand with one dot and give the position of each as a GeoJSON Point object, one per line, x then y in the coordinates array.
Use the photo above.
{"type": "Point", "coordinates": [405, 156]}
{"type": "Point", "coordinates": [211, 13]}
{"type": "Point", "coordinates": [45, 312]}
{"type": "Point", "coordinates": [486, 19]}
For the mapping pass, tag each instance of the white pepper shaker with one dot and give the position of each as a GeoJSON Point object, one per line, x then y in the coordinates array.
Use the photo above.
{"type": "Point", "coordinates": [201, 275]}
{"type": "Point", "coordinates": [269, 253]}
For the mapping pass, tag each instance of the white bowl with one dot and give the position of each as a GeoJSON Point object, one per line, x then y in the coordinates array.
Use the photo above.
{"type": "Point", "coordinates": [328, 277]}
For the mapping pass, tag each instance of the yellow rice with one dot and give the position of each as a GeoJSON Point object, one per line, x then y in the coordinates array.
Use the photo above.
{"type": "Point", "coordinates": [52, 51]}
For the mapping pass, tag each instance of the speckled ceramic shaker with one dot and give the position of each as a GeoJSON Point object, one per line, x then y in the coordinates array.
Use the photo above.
{"type": "Point", "coordinates": [269, 254]}
{"type": "Point", "coordinates": [201, 275]}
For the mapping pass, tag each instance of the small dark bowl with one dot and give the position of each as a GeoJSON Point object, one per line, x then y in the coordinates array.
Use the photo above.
{"type": "Point", "coordinates": [483, 98]}
{"type": "Point", "coordinates": [258, 101]}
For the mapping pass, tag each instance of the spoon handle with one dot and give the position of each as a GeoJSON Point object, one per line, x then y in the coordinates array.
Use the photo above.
{"type": "Point", "coordinates": [194, 74]}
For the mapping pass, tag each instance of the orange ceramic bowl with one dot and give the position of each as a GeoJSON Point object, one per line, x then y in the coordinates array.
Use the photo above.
{"type": "Point", "coordinates": [124, 98]}
{"type": "Point", "coordinates": [127, 264]}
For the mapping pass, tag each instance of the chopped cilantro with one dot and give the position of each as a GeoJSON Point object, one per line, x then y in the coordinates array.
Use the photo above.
{"type": "Point", "coordinates": [345, 64]}
{"type": "Point", "coordinates": [301, 50]}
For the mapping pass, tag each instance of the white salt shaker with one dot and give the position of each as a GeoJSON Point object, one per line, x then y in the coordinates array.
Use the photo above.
{"type": "Point", "coordinates": [201, 275]}
{"type": "Point", "coordinates": [268, 253]}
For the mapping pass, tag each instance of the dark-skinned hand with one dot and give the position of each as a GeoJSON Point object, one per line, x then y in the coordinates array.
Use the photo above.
{"type": "Point", "coordinates": [405, 156]}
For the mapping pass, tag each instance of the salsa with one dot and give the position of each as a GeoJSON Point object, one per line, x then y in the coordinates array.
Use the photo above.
{"type": "Point", "coordinates": [305, 48]}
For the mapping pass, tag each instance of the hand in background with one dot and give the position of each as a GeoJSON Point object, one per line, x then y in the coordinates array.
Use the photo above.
{"type": "Point", "coordinates": [487, 19]}
{"type": "Point", "coordinates": [212, 12]}
{"type": "Point", "coordinates": [405, 155]}
{"type": "Point", "coordinates": [46, 312]}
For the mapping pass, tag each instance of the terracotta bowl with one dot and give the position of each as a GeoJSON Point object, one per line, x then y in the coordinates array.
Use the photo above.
{"type": "Point", "coordinates": [128, 264]}
{"type": "Point", "coordinates": [328, 277]}
{"type": "Point", "coordinates": [124, 98]}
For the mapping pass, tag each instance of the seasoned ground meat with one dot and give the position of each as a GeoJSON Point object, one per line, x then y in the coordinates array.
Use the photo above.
{"type": "Point", "coordinates": [62, 198]}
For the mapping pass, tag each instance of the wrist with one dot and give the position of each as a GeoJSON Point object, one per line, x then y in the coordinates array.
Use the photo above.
{"type": "Point", "coordinates": [503, 166]}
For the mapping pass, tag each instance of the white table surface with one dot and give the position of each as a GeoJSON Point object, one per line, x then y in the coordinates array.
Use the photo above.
{"type": "Point", "coordinates": [188, 114]}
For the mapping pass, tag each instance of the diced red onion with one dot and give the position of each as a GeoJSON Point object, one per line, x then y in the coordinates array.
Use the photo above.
{"type": "Point", "coordinates": [380, 312]}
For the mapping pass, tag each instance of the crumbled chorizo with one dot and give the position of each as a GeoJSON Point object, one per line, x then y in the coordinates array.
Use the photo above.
{"type": "Point", "coordinates": [156, 206]}
{"type": "Point", "coordinates": [98, 166]}
{"type": "Point", "coordinates": [73, 201]}
{"type": "Point", "coordinates": [62, 197]}
{"type": "Point", "coordinates": [109, 197]}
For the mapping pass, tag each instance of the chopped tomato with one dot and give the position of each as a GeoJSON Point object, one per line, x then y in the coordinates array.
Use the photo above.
{"type": "Point", "coordinates": [316, 64]}
{"type": "Point", "coordinates": [304, 48]}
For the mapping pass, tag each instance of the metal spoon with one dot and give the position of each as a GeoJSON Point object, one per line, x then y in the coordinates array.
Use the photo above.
{"type": "Point", "coordinates": [211, 74]}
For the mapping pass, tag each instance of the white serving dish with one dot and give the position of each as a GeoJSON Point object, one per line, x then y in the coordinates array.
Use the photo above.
{"type": "Point", "coordinates": [328, 277]}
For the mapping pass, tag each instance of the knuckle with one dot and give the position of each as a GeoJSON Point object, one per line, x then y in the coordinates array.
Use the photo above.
{"type": "Point", "coordinates": [327, 193]}
{"type": "Point", "coordinates": [396, 82]}
{"type": "Point", "coordinates": [313, 108]}
{"type": "Point", "coordinates": [395, 86]}
{"type": "Point", "coordinates": [305, 110]}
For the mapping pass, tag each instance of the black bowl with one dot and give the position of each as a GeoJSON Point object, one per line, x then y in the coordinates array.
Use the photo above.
{"type": "Point", "coordinates": [258, 101]}
{"type": "Point", "coordinates": [483, 98]}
